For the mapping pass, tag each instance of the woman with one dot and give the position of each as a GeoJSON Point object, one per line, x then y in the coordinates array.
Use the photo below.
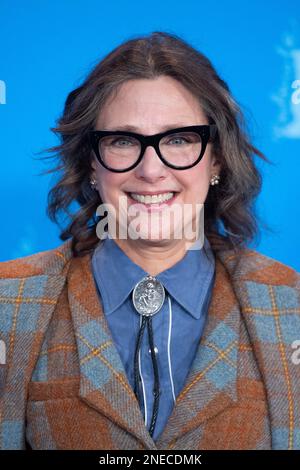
{"type": "Point", "coordinates": [151, 340]}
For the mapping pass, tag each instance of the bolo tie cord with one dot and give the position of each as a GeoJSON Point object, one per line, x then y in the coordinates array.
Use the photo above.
{"type": "Point", "coordinates": [147, 320]}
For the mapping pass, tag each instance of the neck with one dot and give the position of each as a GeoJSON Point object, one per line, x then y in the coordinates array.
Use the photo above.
{"type": "Point", "coordinates": [154, 256]}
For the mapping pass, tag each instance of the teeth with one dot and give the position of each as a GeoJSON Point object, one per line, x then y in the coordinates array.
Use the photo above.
{"type": "Point", "coordinates": [156, 198]}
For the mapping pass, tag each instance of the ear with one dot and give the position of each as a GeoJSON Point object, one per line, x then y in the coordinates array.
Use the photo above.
{"type": "Point", "coordinates": [215, 164]}
{"type": "Point", "coordinates": [93, 163]}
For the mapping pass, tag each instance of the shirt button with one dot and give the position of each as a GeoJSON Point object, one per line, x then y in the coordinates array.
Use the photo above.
{"type": "Point", "coordinates": [155, 350]}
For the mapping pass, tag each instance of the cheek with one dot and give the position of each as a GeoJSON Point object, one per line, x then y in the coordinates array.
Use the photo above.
{"type": "Point", "coordinates": [197, 179]}
{"type": "Point", "coordinates": [109, 185]}
{"type": "Point", "coordinates": [196, 185]}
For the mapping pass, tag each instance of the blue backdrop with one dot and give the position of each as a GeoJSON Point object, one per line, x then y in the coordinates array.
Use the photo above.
{"type": "Point", "coordinates": [47, 48]}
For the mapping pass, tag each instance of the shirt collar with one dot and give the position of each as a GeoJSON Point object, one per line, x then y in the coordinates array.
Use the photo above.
{"type": "Point", "coordinates": [187, 281]}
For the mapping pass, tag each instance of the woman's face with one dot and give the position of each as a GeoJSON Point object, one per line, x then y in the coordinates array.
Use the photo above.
{"type": "Point", "coordinates": [150, 106]}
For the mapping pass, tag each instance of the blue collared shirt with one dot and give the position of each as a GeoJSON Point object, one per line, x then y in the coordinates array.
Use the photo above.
{"type": "Point", "coordinates": [177, 327]}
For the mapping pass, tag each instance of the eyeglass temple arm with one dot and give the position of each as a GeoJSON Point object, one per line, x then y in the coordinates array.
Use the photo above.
{"type": "Point", "coordinates": [212, 131]}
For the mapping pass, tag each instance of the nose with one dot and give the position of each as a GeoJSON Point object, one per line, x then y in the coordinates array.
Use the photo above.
{"type": "Point", "coordinates": [151, 167]}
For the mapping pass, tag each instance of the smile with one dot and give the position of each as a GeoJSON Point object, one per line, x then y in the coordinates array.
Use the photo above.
{"type": "Point", "coordinates": [155, 201]}
{"type": "Point", "coordinates": [155, 198]}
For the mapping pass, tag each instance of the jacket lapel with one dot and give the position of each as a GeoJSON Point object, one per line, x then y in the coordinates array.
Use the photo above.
{"type": "Point", "coordinates": [103, 381]}
{"type": "Point", "coordinates": [211, 385]}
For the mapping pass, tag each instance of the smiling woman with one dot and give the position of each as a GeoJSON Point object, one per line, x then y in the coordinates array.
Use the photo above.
{"type": "Point", "coordinates": [152, 132]}
{"type": "Point", "coordinates": [150, 85]}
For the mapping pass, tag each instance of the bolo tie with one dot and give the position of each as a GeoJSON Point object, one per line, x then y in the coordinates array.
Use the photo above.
{"type": "Point", "coordinates": [148, 297]}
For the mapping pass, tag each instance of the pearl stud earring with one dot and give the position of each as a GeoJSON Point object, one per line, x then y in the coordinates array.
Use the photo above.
{"type": "Point", "coordinates": [215, 179]}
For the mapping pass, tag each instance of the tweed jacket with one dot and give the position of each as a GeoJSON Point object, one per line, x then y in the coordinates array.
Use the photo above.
{"type": "Point", "coordinates": [63, 384]}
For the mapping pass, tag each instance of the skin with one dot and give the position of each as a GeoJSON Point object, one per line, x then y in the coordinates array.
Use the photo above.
{"type": "Point", "coordinates": [151, 105]}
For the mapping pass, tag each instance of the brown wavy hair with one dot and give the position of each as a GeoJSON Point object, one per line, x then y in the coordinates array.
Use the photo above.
{"type": "Point", "coordinates": [230, 219]}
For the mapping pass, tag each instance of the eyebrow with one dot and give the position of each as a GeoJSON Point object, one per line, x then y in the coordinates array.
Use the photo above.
{"type": "Point", "coordinates": [128, 127]}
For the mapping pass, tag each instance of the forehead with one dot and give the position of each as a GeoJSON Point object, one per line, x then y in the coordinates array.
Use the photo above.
{"type": "Point", "coordinates": [148, 100]}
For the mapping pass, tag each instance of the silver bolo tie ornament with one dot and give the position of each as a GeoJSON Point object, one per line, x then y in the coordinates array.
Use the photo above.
{"type": "Point", "coordinates": [148, 297]}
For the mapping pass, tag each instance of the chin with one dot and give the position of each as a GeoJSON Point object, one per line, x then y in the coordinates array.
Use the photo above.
{"type": "Point", "coordinates": [154, 236]}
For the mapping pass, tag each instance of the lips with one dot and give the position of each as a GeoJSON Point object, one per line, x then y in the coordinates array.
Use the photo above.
{"type": "Point", "coordinates": [151, 193]}
{"type": "Point", "coordinates": [154, 206]}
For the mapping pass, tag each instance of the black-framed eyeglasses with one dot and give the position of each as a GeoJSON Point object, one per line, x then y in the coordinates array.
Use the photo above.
{"type": "Point", "coordinates": [180, 148]}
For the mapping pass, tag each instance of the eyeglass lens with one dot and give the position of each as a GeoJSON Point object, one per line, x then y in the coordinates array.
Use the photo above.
{"type": "Point", "coordinates": [121, 151]}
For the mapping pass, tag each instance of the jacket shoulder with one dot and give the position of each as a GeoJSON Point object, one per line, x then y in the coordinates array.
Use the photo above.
{"type": "Point", "coordinates": [249, 264]}
{"type": "Point", "coordinates": [29, 291]}
{"type": "Point", "coordinates": [45, 262]}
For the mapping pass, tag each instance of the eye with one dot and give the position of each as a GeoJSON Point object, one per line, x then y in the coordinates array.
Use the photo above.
{"type": "Point", "coordinates": [122, 142]}
{"type": "Point", "coordinates": [179, 140]}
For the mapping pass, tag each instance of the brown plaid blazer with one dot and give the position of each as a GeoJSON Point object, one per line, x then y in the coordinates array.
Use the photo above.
{"type": "Point", "coordinates": [63, 385]}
